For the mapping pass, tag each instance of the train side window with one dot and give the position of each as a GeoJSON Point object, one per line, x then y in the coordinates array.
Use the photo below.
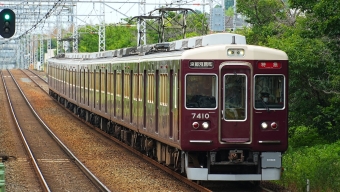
{"type": "Point", "coordinates": [150, 87]}
{"type": "Point", "coordinates": [140, 85]}
{"type": "Point", "coordinates": [201, 91]}
{"type": "Point", "coordinates": [118, 84]}
{"type": "Point", "coordinates": [163, 89]}
{"type": "Point", "coordinates": [127, 85]}
{"type": "Point", "coordinates": [269, 91]}
{"type": "Point", "coordinates": [135, 87]}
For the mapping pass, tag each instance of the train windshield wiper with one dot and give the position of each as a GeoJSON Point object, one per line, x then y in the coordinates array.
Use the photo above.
{"type": "Point", "coordinates": [265, 105]}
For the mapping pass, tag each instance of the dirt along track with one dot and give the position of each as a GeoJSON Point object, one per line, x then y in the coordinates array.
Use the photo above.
{"type": "Point", "coordinates": [117, 168]}
{"type": "Point", "coordinates": [18, 169]}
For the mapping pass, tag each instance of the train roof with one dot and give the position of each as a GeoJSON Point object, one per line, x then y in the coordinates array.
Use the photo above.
{"type": "Point", "coordinates": [209, 47]}
{"type": "Point", "coordinates": [250, 52]}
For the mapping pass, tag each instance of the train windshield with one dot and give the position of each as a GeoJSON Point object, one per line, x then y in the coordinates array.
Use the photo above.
{"type": "Point", "coordinates": [235, 96]}
{"type": "Point", "coordinates": [201, 91]}
{"type": "Point", "coordinates": [269, 91]}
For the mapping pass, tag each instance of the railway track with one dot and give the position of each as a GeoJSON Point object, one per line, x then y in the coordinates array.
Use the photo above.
{"type": "Point", "coordinates": [55, 166]}
{"type": "Point", "coordinates": [230, 186]}
{"type": "Point", "coordinates": [42, 84]}
{"type": "Point", "coordinates": [117, 168]}
{"type": "Point", "coordinates": [37, 79]}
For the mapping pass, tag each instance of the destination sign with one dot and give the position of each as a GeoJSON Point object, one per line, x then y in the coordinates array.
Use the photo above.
{"type": "Point", "coordinates": [268, 65]}
{"type": "Point", "coordinates": [201, 64]}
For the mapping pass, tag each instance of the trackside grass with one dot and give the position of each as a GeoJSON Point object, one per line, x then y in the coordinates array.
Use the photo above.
{"type": "Point", "coordinates": [319, 162]}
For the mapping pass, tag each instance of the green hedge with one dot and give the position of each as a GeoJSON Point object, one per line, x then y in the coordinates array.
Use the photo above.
{"type": "Point", "coordinates": [320, 164]}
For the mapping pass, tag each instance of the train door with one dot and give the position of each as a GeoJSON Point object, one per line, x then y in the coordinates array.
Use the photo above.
{"type": "Point", "coordinates": [82, 85]}
{"type": "Point", "coordinates": [87, 87]}
{"type": "Point", "coordinates": [68, 83]}
{"type": "Point", "coordinates": [73, 84]}
{"type": "Point", "coordinates": [136, 92]}
{"type": "Point", "coordinates": [106, 83]}
{"type": "Point", "coordinates": [97, 88]}
{"type": "Point", "coordinates": [157, 102]}
{"type": "Point", "coordinates": [62, 80]}
{"type": "Point", "coordinates": [119, 94]}
{"type": "Point", "coordinates": [144, 98]}
{"type": "Point", "coordinates": [103, 90]}
{"type": "Point", "coordinates": [127, 95]}
{"type": "Point", "coordinates": [235, 84]}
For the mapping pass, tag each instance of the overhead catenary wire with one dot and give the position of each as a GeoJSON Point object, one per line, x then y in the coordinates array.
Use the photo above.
{"type": "Point", "coordinates": [47, 15]}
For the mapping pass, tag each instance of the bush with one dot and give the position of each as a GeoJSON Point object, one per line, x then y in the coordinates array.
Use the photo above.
{"type": "Point", "coordinates": [305, 136]}
{"type": "Point", "coordinates": [319, 164]}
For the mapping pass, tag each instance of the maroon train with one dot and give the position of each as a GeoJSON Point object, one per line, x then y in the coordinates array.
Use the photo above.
{"type": "Point", "coordinates": [211, 106]}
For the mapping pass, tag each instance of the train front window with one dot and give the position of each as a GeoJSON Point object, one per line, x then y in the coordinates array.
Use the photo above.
{"type": "Point", "coordinates": [269, 91]}
{"type": "Point", "coordinates": [235, 97]}
{"type": "Point", "coordinates": [201, 91]}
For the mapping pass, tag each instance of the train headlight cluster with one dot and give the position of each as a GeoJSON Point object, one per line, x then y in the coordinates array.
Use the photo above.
{"type": "Point", "coordinates": [273, 125]}
{"type": "Point", "coordinates": [264, 125]}
{"type": "Point", "coordinates": [195, 125]}
{"type": "Point", "coordinates": [235, 52]}
{"type": "Point", "coordinates": [204, 125]}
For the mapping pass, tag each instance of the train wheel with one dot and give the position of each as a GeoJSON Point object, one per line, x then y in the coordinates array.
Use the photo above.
{"type": "Point", "coordinates": [256, 183]}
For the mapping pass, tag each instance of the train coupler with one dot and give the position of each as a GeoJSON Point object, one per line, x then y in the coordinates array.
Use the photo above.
{"type": "Point", "coordinates": [236, 156]}
{"type": "Point", "coordinates": [212, 158]}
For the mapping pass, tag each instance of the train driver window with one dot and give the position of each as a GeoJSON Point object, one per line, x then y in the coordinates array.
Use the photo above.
{"type": "Point", "coordinates": [201, 91]}
{"type": "Point", "coordinates": [269, 91]}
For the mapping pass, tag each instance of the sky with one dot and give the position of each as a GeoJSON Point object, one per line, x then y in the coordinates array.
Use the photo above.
{"type": "Point", "coordinates": [114, 12]}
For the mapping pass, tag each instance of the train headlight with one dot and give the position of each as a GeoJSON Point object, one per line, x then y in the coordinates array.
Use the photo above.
{"type": "Point", "coordinates": [264, 125]}
{"type": "Point", "coordinates": [205, 125]}
{"type": "Point", "coordinates": [235, 52]}
{"type": "Point", "coordinates": [195, 125]}
{"type": "Point", "coordinates": [273, 125]}
{"type": "Point", "coordinates": [231, 52]}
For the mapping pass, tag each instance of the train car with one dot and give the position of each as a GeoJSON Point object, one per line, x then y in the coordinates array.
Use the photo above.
{"type": "Point", "coordinates": [211, 107]}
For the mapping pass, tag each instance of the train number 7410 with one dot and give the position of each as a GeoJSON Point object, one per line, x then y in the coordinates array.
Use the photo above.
{"type": "Point", "coordinates": [200, 115]}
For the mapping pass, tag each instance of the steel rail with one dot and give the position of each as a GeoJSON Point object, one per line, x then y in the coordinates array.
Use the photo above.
{"type": "Point", "coordinates": [141, 155]}
{"type": "Point", "coordinates": [36, 75]}
{"type": "Point", "coordinates": [86, 171]}
{"type": "Point", "coordinates": [28, 150]}
{"type": "Point", "coordinates": [148, 159]}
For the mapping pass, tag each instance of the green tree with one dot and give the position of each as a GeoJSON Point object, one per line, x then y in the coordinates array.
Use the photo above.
{"type": "Point", "coordinates": [311, 42]}
{"type": "Point", "coordinates": [117, 36]}
{"type": "Point", "coordinates": [324, 16]}
{"type": "Point", "coordinates": [261, 12]}
{"type": "Point", "coordinates": [120, 36]}
{"type": "Point", "coordinates": [197, 24]}
{"type": "Point", "coordinates": [267, 18]}
{"type": "Point", "coordinates": [88, 39]}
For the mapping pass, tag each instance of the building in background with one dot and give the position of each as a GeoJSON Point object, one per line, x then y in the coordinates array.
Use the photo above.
{"type": "Point", "coordinates": [236, 21]}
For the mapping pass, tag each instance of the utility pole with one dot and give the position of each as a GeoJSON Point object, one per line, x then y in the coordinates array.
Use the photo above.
{"type": "Point", "coordinates": [74, 28]}
{"type": "Point", "coordinates": [101, 30]}
{"type": "Point", "coordinates": [141, 24]}
{"type": "Point", "coordinates": [234, 18]}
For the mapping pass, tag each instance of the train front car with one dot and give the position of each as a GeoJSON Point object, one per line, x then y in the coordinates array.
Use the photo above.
{"type": "Point", "coordinates": [234, 113]}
